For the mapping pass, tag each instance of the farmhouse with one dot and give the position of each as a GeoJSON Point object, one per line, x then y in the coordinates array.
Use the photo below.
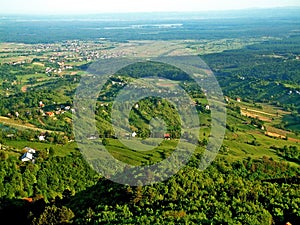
{"type": "Point", "coordinates": [29, 155]}
{"type": "Point", "coordinates": [51, 114]}
{"type": "Point", "coordinates": [42, 137]}
{"type": "Point", "coordinates": [167, 137]}
{"type": "Point", "coordinates": [41, 104]}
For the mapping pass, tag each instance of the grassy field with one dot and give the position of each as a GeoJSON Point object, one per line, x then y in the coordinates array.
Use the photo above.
{"type": "Point", "coordinates": [59, 150]}
{"type": "Point", "coordinates": [135, 157]}
{"type": "Point", "coordinates": [21, 125]}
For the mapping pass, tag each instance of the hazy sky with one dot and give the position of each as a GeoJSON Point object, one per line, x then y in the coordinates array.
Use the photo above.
{"type": "Point", "coordinates": [98, 6]}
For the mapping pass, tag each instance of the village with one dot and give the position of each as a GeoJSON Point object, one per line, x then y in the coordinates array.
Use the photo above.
{"type": "Point", "coordinates": [59, 59]}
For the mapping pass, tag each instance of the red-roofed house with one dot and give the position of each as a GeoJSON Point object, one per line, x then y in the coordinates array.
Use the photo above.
{"type": "Point", "coordinates": [167, 136]}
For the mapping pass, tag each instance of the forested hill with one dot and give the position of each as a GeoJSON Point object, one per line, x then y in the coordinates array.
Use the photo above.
{"type": "Point", "coordinates": [266, 72]}
{"type": "Point", "coordinates": [150, 68]}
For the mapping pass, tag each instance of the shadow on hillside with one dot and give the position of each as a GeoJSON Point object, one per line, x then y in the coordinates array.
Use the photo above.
{"type": "Point", "coordinates": [18, 211]}
{"type": "Point", "coordinates": [22, 211]}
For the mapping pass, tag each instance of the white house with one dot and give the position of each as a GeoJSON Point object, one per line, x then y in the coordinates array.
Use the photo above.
{"type": "Point", "coordinates": [27, 157]}
{"type": "Point", "coordinates": [133, 134]}
{"type": "Point", "coordinates": [42, 137]}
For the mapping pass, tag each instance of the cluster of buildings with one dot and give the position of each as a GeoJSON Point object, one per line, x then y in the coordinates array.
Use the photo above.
{"type": "Point", "coordinates": [59, 110]}
{"type": "Point", "coordinates": [63, 55]}
{"type": "Point", "coordinates": [76, 51]}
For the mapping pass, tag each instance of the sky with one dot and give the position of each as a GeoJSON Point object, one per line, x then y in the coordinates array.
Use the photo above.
{"type": "Point", "coordinates": [117, 6]}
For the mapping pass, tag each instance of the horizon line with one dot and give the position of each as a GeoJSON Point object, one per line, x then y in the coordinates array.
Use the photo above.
{"type": "Point", "coordinates": [138, 12]}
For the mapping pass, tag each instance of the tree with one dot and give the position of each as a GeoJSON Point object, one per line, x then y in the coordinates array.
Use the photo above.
{"type": "Point", "coordinates": [54, 215]}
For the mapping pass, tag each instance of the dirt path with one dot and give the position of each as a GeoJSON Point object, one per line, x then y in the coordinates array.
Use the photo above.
{"type": "Point", "coordinates": [13, 123]}
{"type": "Point", "coordinates": [260, 112]}
{"type": "Point", "coordinates": [41, 122]}
{"type": "Point", "coordinates": [252, 115]}
{"type": "Point", "coordinates": [294, 140]}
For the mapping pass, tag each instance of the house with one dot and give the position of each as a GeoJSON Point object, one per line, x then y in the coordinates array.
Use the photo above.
{"type": "Point", "coordinates": [41, 104]}
{"type": "Point", "coordinates": [27, 157]}
{"type": "Point", "coordinates": [42, 137]}
{"type": "Point", "coordinates": [133, 134]}
{"type": "Point", "coordinates": [238, 100]}
{"type": "Point", "coordinates": [167, 137]}
{"type": "Point", "coordinates": [207, 107]}
{"type": "Point", "coordinates": [51, 114]}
